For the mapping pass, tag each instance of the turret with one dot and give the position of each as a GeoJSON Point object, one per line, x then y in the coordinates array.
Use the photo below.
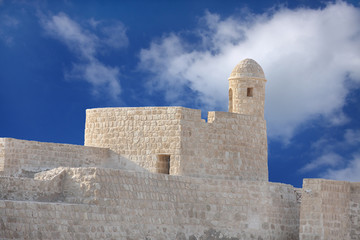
{"type": "Point", "coordinates": [247, 88]}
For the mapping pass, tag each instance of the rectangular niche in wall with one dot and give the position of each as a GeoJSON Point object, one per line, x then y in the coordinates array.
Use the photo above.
{"type": "Point", "coordinates": [250, 92]}
{"type": "Point", "coordinates": [163, 164]}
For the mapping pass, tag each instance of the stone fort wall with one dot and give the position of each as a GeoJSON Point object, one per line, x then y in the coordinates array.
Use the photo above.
{"type": "Point", "coordinates": [29, 189]}
{"type": "Point", "coordinates": [116, 204]}
{"type": "Point", "coordinates": [24, 158]}
{"type": "Point", "coordinates": [330, 210]}
{"type": "Point", "coordinates": [228, 145]}
{"type": "Point", "coordinates": [92, 203]}
{"type": "Point", "coordinates": [108, 189]}
{"type": "Point", "coordinates": [2, 154]}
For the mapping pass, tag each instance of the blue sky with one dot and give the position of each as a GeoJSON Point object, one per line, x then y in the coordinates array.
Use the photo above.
{"type": "Point", "coordinates": [58, 58]}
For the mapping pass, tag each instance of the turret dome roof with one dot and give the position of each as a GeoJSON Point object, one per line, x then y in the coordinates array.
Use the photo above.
{"type": "Point", "coordinates": [247, 68]}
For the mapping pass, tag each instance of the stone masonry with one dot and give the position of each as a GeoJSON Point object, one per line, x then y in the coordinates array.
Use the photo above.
{"type": "Point", "coordinates": [165, 173]}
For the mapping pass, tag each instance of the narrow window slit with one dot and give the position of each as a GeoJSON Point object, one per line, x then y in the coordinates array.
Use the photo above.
{"type": "Point", "coordinates": [250, 92]}
{"type": "Point", "coordinates": [230, 100]}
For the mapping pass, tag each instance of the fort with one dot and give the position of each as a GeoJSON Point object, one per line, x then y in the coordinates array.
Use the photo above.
{"type": "Point", "coordinates": [165, 173]}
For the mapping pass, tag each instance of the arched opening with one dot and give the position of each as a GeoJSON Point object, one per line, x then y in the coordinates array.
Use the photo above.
{"type": "Point", "coordinates": [230, 100]}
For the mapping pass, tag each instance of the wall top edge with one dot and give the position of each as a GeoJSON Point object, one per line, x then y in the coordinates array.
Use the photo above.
{"type": "Point", "coordinates": [323, 180]}
{"type": "Point", "coordinates": [9, 140]}
{"type": "Point", "coordinates": [246, 78]}
{"type": "Point", "coordinates": [140, 108]}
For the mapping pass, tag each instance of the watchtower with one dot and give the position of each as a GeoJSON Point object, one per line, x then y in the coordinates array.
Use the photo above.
{"type": "Point", "coordinates": [247, 88]}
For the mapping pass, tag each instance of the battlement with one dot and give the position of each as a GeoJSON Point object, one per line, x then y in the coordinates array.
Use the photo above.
{"type": "Point", "coordinates": [226, 117]}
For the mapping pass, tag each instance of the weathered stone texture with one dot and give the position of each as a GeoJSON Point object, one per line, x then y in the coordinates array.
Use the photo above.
{"type": "Point", "coordinates": [354, 208]}
{"type": "Point", "coordinates": [247, 89]}
{"type": "Point", "coordinates": [329, 210]}
{"type": "Point", "coordinates": [139, 134]}
{"type": "Point", "coordinates": [25, 158]}
{"type": "Point", "coordinates": [28, 189]}
{"type": "Point", "coordinates": [248, 105]}
{"type": "Point", "coordinates": [2, 154]}
{"type": "Point", "coordinates": [230, 146]}
{"type": "Point", "coordinates": [112, 198]}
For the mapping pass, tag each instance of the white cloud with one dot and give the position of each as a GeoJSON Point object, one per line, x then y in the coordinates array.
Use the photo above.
{"type": "Point", "coordinates": [68, 31]}
{"type": "Point", "coordinates": [115, 35]}
{"type": "Point", "coordinates": [335, 166]}
{"type": "Point", "coordinates": [7, 24]}
{"type": "Point", "coordinates": [306, 55]}
{"type": "Point", "coordinates": [349, 173]}
{"type": "Point", "coordinates": [326, 160]}
{"type": "Point", "coordinates": [86, 44]}
{"type": "Point", "coordinates": [352, 137]}
{"type": "Point", "coordinates": [102, 77]}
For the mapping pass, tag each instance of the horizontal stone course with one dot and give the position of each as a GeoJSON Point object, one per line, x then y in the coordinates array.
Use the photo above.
{"type": "Point", "coordinates": [228, 145]}
{"type": "Point", "coordinates": [25, 158]}
{"type": "Point", "coordinates": [117, 197]}
{"type": "Point", "coordinates": [329, 210]}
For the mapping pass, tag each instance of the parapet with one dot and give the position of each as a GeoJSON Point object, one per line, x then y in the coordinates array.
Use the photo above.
{"type": "Point", "coordinates": [224, 117]}
{"type": "Point", "coordinates": [25, 158]}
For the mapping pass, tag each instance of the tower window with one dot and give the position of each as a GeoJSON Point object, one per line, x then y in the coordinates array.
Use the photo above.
{"type": "Point", "coordinates": [250, 92]}
{"type": "Point", "coordinates": [163, 164]}
{"type": "Point", "coordinates": [230, 100]}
